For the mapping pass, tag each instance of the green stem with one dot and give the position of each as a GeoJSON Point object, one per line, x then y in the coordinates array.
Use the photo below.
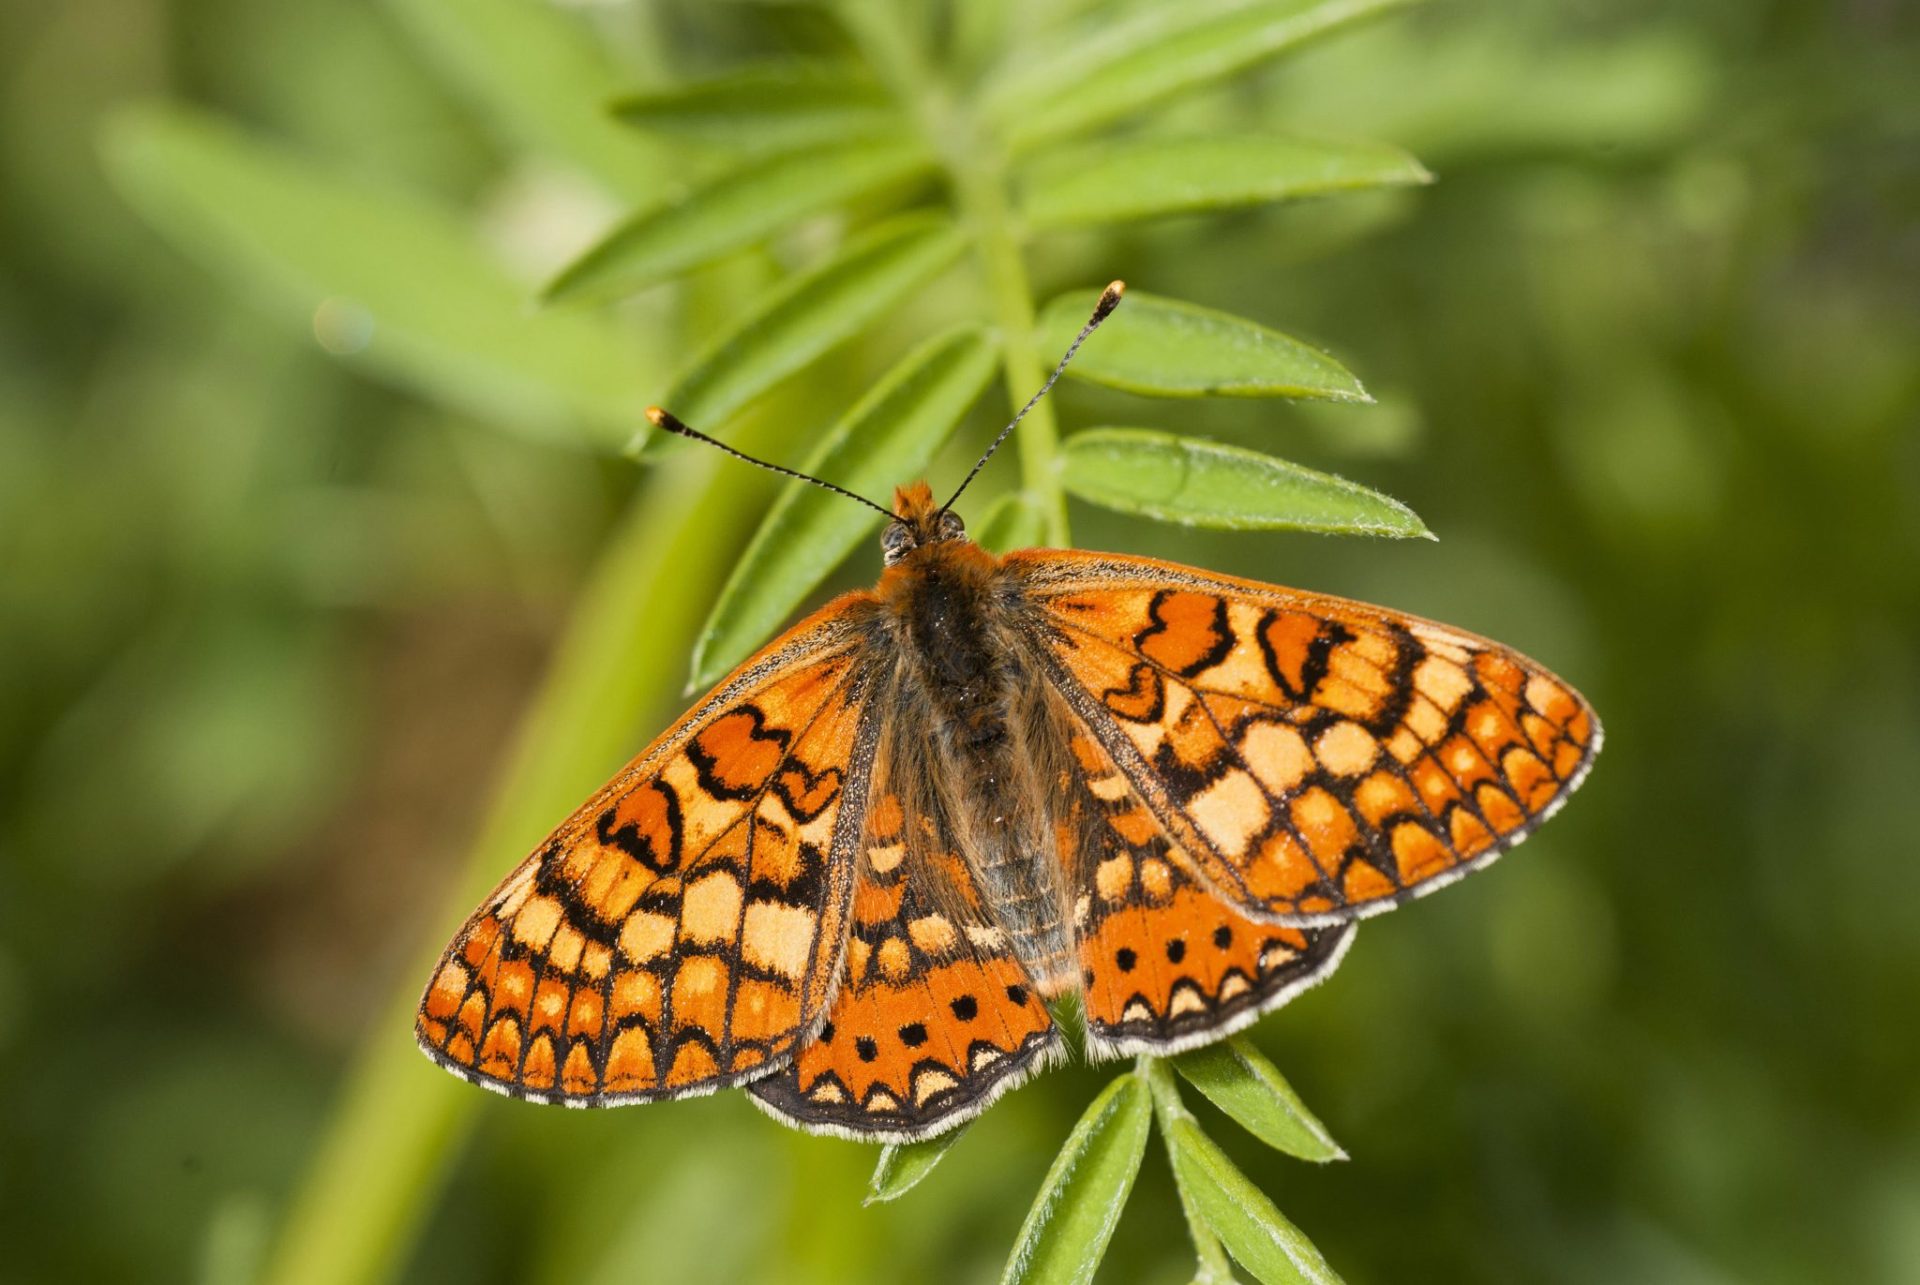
{"type": "Point", "coordinates": [377, 1169]}
{"type": "Point", "coordinates": [1215, 1267]}
{"type": "Point", "coordinates": [977, 167]}
{"type": "Point", "coordinates": [980, 187]}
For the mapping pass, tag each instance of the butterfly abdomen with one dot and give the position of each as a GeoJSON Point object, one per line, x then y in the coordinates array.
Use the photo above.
{"type": "Point", "coordinates": [951, 609]}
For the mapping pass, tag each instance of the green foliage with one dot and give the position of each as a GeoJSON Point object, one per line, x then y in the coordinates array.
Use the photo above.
{"type": "Point", "coordinates": [1165, 348]}
{"type": "Point", "coordinates": [1257, 1235]}
{"type": "Point", "coordinates": [1013, 521]}
{"type": "Point", "coordinates": [543, 79]}
{"type": "Point", "coordinates": [387, 279]}
{"type": "Point", "coordinates": [1079, 1204]}
{"type": "Point", "coordinates": [1118, 68]}
{"type": "Point", "coordinates": [735, 211]}
{"type": "Point", "coordinates": [811, 312]}
{"type": "Point", "coordinates": [890, 433]}
{"type": "Point", "coordinates": [1239, 1080]}
{"type": "Point", "coordinates": [1225, 1208]}
{"type": "Point", "coordinates": [903, 1164]}
{"type": "Point", "coordinates": [1181, 479]}
{"type": "Point", "coordinates": [1144, 178]}
{"type": "Point", "coordinates": [773, 108]}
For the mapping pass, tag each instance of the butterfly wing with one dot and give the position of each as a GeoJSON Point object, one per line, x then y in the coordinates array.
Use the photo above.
{"type": "Point", "coordinates": [935, 1017]}
{"type": "Point", "coordinates": [1165, 963]}
{"type": "Point", "coordinates": [682, 929]}
{"type": "Point", "coordinates": [1318, 758]}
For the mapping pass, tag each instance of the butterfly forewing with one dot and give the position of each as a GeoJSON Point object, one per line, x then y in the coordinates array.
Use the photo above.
{"type": "Point", "coordinates": [1319, 759]}
{"type": "Point", "coordinates": [936, 1016]}
{"type": "Point", "coordinates": [682, 930]}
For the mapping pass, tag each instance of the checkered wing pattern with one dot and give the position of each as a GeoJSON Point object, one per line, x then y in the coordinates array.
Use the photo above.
{"type": "Point", "coordinates": [936, 1015]}
{"type": "Point", "coordinates": [1319, 759]}
{"type": "Point", "coordinates": [1165, 964]}
{"type": "Point", "coordinates": [682, 931]}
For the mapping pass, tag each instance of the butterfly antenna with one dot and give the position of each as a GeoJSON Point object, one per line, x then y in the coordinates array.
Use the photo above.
{"type": "Point", "coordinates": [1109, 300]}
{"type": "Point", "coordinates": [667, 423]}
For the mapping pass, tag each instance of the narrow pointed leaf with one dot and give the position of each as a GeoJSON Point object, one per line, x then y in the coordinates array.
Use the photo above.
{"type": "Point", "coordinates": [1161, 50]}
{"type": "Point", "coordinates": [540, 74]}
{"type": "Point", "coordinates": [1079, 1204]}
{"type": "Point", "coordinates": [386, 281]}
{"type": "Point", "coordinates": [1164, 347]}
{"type": "Point", "coordinates": [888, 438]}
{"type": "Point", "coordinates": [808, 314]}
{"type": "Point", "coordinates": [766, 109]}
{"type": "Point", "coordinates": [1213, 1267]}
{"type": "Point", "coordinates": [1256, 1233]}
{"type": "Point", "coordinates": [1015, 521]}
{"type": "Point", "coordinates": [1150, 177]}
{"type": "Point", "coordinates": [1199, 483]}
{"type": "Point", "coordinates": [1239, 1080]}
{"type": "Point", "coordinates": [903, 1164]}
{"type": "Point", "coordinates": [737, 210]}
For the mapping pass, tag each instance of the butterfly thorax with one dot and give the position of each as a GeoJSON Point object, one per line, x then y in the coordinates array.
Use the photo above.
{"type": "Point", "coordinates": [951, 606]}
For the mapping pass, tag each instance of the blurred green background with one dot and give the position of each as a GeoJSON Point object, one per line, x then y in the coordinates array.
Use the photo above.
{"type": "Point", "coordinates": [308, 628]}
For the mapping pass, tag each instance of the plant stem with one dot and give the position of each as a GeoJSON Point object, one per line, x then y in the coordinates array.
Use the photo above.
{"type": "Point", "coordinates": [1215, 1267]}
{"type": "Point", "coordinates": [981, 190]}
{"type": "Point", "coordinates": [977, 167]}
{"type": "Point", "coordinates": [377, 1168]}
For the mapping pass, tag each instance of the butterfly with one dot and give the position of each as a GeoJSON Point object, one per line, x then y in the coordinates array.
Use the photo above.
{"type": "Point", "coordinates": [858, 875]}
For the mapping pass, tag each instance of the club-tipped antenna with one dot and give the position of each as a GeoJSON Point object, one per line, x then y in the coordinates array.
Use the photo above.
{"type": "Point", "coordinates": [664, 421]}
{"type": "Point", "coordinates": [1109, 300]}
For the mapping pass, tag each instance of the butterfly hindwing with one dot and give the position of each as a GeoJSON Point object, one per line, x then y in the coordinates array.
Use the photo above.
{"type": "Point", "coordinates": [935, 1016]}
{"type": "Point", "coordinates": [681, 931]}
{"type": "Point", "coordinates": [1166, 964]}
{"type": "Point", "coordinates": [1319, 759]}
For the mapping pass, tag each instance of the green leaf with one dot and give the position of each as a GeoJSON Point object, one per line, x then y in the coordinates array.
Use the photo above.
{"type": "Point", "coordinates": [1149, 177]}
{"type": "Point", "coordinates": [903, 1164]}
{"type": "Point", "coordinates": [1167, 348]}
{"type": "Point", "coordinates": [767, 109]}
{"type": "Point", "coordinates": [1257, 1235]}
{"type": "Point", "coordinates": [888, 438]}
{"type": "Point", "coordinates": [1167, 1108]}
{"type": "Point", "coordinates": [541, 76]}
{"type": "Point", "coordinates": [746, 206]}
{"type": "Point", "coordinates": [808, 314]}
{"type": "Point", "coordinates": [1197, 483]}
{"type": "Point", "coordinates": [1213, 1266]}
{"type": "Point", "coordinates": [383, 279]}
{"type": "Point", "coordinates": [1239, 1080]}
{"type": "Point", "coordinates": [1079, 1204]}
{"type": "Point", "coordinates": [1014, 521]}
{"type": "Point", "coordinates": [1121, 67]}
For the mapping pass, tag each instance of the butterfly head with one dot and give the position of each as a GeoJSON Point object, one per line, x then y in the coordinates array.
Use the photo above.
{"type": "Point", "coordinates": [918, 522]}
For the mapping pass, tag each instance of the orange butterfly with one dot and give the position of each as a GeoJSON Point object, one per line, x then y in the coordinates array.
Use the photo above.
{"type": "Point", "coordinates": [855, 875]}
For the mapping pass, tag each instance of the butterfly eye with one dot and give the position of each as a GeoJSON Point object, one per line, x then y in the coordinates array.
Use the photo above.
{"type": "Point", "coordinates": [951, 527]}
{"type": "Point", "coordinates": [895, 542]}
